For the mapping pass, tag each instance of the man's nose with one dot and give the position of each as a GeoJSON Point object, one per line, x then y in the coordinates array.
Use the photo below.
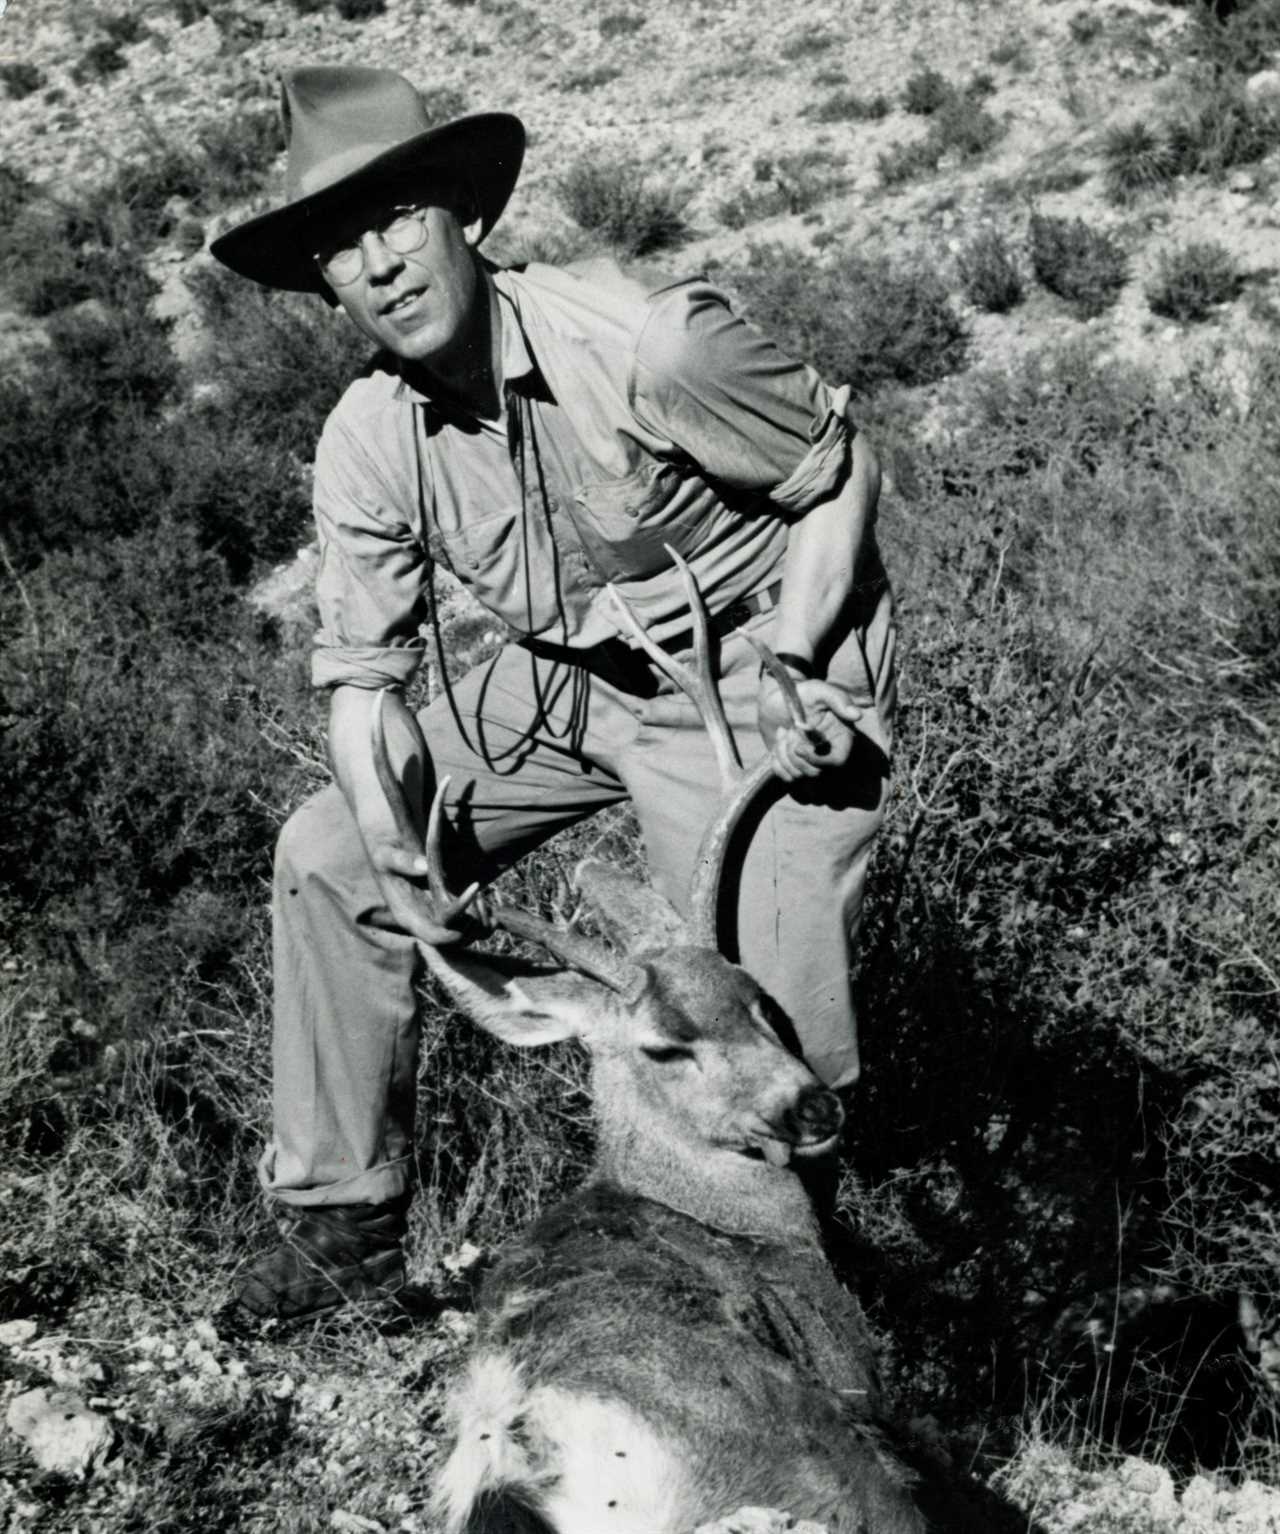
{"type": "Point", "coordinates": [380, 261]}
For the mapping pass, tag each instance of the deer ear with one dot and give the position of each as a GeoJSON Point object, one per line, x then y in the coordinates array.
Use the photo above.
{"type": "Point", "coordinates": [635, 916]}
{"type": "Point", "coordinates": [516, 1003]}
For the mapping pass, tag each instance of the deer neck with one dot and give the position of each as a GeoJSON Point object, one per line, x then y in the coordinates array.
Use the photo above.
{"type": "Point", "coordinates": [718, 1188]}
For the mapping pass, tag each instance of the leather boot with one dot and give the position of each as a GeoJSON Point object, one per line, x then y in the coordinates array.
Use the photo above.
{"type": "Point", "coordinates": [327, 1256]}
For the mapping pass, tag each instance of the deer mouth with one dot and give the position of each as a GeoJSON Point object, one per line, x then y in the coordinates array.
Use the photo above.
{"type": "Point", "coordinates": [779, 1152]}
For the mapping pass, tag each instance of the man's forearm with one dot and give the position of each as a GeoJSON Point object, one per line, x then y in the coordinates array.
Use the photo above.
{"type": "Point", "coordinates": [351, 757]}
{"type": "Point", "coordinates": [825, 555]}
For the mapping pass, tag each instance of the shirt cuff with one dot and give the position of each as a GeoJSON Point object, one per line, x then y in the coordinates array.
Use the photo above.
{"type": "Point", "coordinates": [820, 471]}
{"type": "Point", "coordinates": [371, 666]}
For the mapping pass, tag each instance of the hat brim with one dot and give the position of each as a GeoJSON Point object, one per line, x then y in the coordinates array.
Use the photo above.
{"type": "Point", "coordinates": [277, 248]}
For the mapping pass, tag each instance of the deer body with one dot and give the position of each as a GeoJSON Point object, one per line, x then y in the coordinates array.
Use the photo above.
{"type": "Point", "coordinates": [669, 1343]}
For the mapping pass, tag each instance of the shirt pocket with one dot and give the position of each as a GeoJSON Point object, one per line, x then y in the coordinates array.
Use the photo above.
{"type": "Point", "coordinates": [507, 561]}
{"type": "Point", "coordinates": [626, 523]}
{"type": "Point", "coordinates": [474, 546]}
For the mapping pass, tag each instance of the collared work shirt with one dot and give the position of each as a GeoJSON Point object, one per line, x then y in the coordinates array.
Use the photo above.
{"type": "Point", "coordinates": [633, 420]}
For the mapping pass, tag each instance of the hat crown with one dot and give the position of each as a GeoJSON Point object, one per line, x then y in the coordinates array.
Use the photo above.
{"type": "Point", "coordinates": [339, 118]}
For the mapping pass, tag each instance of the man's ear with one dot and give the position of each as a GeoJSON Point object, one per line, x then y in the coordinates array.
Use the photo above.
{"type": "Point", "coordinates": [472, 227]}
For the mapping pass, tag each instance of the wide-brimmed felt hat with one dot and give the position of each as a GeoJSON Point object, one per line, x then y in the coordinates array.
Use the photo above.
{"type": "Point", "coordinates": [353, 132]}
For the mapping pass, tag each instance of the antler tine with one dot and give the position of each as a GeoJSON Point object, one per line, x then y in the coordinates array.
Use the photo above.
{"type": "Point", "coordinates": [784, 679]}
{"type": "Point", "coordinates": [442, 908]}
{"type": "Point", "coordinates": [578, 952]}
{"type": "Point", "coordinates": [697, 682]}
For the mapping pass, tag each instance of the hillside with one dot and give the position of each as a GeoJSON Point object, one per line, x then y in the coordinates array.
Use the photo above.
{"type": "Point", "coordinates": [1040, 238]}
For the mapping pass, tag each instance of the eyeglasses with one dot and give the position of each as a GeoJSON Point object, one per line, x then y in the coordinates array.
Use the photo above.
{"type": "Point", "coordinates": [402, 230]}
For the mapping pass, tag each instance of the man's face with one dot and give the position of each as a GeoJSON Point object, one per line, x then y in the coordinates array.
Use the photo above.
{"type": "Point", "coordinates": [420, 306]}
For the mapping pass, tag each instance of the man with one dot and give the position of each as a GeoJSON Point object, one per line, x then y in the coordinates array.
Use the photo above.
{"type": "Point", "coordinates": [541, 432]}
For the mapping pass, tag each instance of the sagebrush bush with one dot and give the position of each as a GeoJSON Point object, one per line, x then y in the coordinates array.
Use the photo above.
{"type": "Point", "coordinates": [807, 43]}
{"type": "Point", "coordinates": [20, 79]}
{"type": "Point", "coordinates": [1223, 129]}
{"type": "Point", "coordinates": [904, 162]}
{"type": "Point", "coordinates": [1234, 39]}
{"type": "Point", "coordinates": [359, 10]}
{"type": "Point", "coordinates": [621, 24]}
{"type": "Point", "coordinates": [787, 183]}
{"type": "Point", "coordinates": [863, 320]}
{"type": "Point", "coordinates": [848, 106]}
{"type": "Point", "coordinates": [617, 200]}
{"type": "Point", "coordinates": [1137, 162]}
{"type": "Point", "coordinates": [1077, 890]}
{"type": "Point", "coordinates": [100, 60]}
{"type": "Point", "coordinates": [959, 126]}
{"type": "Point", "coordinates": [1192, 279]}
{"type": "Point", "coordinates": [591, 79]}
{"type": "Point", "coordinates": [1086, 266]}
{"type": "Point", "coordinates": [989, 272]}
{"type": "Point", "coordinates": [925, 92]}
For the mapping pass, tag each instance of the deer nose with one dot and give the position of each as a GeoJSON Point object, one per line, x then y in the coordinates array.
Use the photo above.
{"type": "Point", "coordinates": [816, 1115]}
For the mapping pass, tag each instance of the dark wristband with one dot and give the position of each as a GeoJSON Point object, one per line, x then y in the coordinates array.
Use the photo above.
{"type": "Point", "coordinates": [796, 663]}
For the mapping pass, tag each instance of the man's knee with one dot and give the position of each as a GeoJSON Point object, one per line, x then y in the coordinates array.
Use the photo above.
{"type": "Point", "coordinates": [320, 837]}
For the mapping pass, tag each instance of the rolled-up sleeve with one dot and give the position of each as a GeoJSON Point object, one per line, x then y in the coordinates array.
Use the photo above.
{"type": "Point", "coordinates": [372, 583]}
{"type": "Point", "coordinates": [735, 404]}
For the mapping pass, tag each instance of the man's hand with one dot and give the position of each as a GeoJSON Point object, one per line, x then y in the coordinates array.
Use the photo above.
{"type": "Point", "coordinates": [401, 877]}
{"type": "Point", "coordinates": [824, 743]}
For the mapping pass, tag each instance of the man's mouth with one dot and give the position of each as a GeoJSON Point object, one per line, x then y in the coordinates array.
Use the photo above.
{"type": "Point", "coordinates": [401, 301]}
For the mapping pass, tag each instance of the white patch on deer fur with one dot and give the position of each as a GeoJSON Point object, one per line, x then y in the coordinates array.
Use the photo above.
{"type": "Point", "coordinates": [616, 1475]}
{"type": "Point", "coordinates": [587, 1465]}
{"type": "Point", "coordinates": [490, 1449]}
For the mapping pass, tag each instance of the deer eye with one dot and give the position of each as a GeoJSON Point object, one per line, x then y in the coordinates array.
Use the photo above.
{"type": "Point", "coordinates": [663, 1053]}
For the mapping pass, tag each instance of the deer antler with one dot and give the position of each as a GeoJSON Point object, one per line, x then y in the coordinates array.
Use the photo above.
{"type": "Point", "coordinates": [740, 788]}
{"type": "Point", "coordinates": [443, 909]}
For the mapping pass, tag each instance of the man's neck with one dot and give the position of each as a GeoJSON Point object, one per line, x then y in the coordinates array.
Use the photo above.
{"type": "Point", "coordinates": [471, 377]}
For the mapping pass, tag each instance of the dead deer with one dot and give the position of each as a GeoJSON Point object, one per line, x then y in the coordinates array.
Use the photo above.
{"type": "Point", "coordinates": [669, 1343]}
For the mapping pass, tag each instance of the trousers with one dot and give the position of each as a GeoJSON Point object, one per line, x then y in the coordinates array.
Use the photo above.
{"type": "Point", "coordinates": [532, 746]}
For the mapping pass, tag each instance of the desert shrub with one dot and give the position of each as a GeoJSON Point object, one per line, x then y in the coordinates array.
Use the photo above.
{"type": "Point", "coordinates": [862, 320]}
{"type": "Point", "coordinates": [788, 183]}
{"type": "Point", "coordinates": [1191, 279]}
{"type": "Point", "coordinates": [1221, 130]}
{"type": "Point", "coordinates": [621, 24]}
{"type": "Point", "coordinates": [126, 696]}
{"type": "Point", "coordinates": [20, 79]}
{"type": "Point", "coordinates": [591, 79]}
{"type": "Point", "coordinates": [925, 92]}
{"type": "Point", "coordinates": [964, 128]}
{"type": "Point", "coordinates": [807, 44]}
{"type": "Point", "coordinates": [1054, 178]}
{"type": "Point", "coordinates": [1085, 26]}
{"type": "Point", "coordinates": [100, 60]}
{"type": "Point", "coordinates": [989, 272]}
{"type": "Point", "coordinates": [616, 199]}
{"type": "Point", "coordinates": [360, 10]}
{"type": "Point", "coordinates": [1234, 39]}
{"type": "Point", "coordinates": [1137, 162]}
{"type": "Point", "coordinates": [1084, 265]}
{"type": "Point", "coordinates": [1012, 52]}
{"type": "Point", "coordinates": [442, 102]}
{"type": "Point", "coordinates": [1072, 891]}
{"type": "Point", "coordinates": [904, 162]}
{"type": "Point", "coordinates": [16, 190]}
{"type": "Point", "coordinates": [848, 106]}
{"type": "Point", "coordinates": [959, 126]}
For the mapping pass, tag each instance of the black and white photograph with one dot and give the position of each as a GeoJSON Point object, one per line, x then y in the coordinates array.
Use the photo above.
{"type": "Point", "coordinates": [639, 767]}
